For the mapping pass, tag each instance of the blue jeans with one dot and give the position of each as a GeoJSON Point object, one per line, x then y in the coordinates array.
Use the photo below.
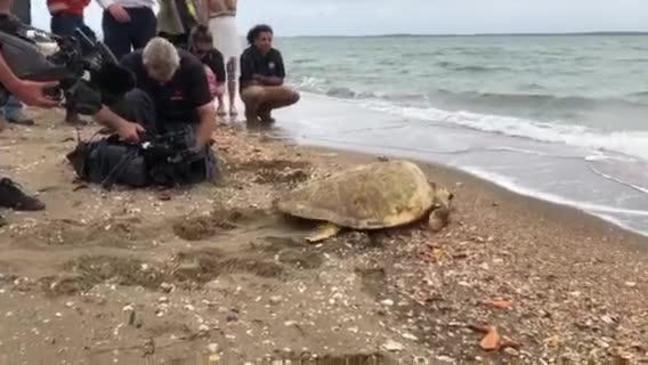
{"type": "Point", "coordinates": [13, 109]}
{"type": "Point", "coordinates": [64, 24]}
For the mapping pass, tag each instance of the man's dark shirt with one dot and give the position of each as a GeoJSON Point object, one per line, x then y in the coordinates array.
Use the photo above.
{"type": "Point", "coordinates": [253, 62]}
{"type": "Point", "coordinates": [177, 100]}
{"type": "Point", "coordinates": [214, 60]}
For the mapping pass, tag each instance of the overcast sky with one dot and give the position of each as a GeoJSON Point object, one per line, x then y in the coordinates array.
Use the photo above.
{"type": "Point", "coordinates": [358, 17]}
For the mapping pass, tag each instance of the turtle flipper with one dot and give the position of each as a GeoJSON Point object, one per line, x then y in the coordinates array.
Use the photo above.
{"type": "Point", "coordinates": [323, 232]}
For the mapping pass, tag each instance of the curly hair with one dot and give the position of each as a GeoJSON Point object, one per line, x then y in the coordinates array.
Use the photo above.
{"type": "Point", "coordinates": [253, 34]}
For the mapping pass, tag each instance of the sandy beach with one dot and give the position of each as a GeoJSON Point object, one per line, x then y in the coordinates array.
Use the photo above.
{"type": "Point", "coordinates": [212, 275]}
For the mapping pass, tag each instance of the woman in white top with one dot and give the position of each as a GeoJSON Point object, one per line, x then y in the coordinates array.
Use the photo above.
{"type": "Point", "coordinates": [222, 24]}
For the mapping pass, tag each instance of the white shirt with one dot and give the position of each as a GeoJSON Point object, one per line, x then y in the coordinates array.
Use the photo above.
{"type": "Point", "coordinates": [127, 3]}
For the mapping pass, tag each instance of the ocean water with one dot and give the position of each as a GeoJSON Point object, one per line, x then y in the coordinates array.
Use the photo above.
{"type": "Point", "coordinates": [562, 118]}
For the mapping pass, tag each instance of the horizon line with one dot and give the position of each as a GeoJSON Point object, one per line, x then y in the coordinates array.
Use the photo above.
{"type": "Point", "coordinates": [523, 34]}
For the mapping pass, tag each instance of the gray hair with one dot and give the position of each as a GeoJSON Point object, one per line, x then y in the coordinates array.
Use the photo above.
{"type": "Point", "coordinates": [161, 59]}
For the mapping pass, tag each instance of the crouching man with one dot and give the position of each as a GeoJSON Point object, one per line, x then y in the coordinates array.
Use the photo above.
{"type": "Point", "coordinates": [163, 125]}
{"type": "Point", "coordinates": [262, 77]}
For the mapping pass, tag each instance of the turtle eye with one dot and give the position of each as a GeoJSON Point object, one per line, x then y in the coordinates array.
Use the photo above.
{"type": "Point", "coordinates": [451, 196]}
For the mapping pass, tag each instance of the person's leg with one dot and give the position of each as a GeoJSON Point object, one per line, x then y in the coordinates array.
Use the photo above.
{"type": "Point", "coordinates": [220, 110]}
{"type": "Point", "coordinates": [138, 107]}
{"type": "Point", "coordinates": [14, 112]}
{"type": "Point", "coordinates": [12, 196]}
{"type": "Point", "coordinates": [219, 94]}
{"type": "Point", "coordinates": [275, 97]}
{"type": "Point", "coordinates": [228, 42]}
{"type": "Point", "coordinates": [116, 36]}
{"type": "Point", "coordinates": [231, 85]}
{"type": "Point", "coordinates": [252, 97]}
{"type": "Point", "coordinates": [143, 26]}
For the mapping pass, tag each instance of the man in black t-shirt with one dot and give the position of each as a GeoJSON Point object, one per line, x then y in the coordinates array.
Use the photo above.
{"type": "Point", "coordinates": [171, 94]}
{"type": "Point", "coordinates": [262, 77]}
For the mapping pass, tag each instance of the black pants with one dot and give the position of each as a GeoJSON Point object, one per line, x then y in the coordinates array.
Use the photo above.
{"type": "Point", "coordinates": [138, 107]}
{"type": "Point", "coordinates": [121, 38]}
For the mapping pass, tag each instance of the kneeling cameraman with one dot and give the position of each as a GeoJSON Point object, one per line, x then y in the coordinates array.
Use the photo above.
{"type": "Point", "coordinates": [172, 103]}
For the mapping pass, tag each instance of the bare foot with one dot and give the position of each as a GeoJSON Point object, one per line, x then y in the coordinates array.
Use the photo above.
{"type": "Point", "coordinates": [252, 118]}
{"type": "Point", "coordinates": [266, 117]}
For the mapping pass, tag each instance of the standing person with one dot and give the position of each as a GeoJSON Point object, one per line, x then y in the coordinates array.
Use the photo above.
{"type": "Point", "coordinates": [222, 24]}
{"type": "Point", "coordinates": [14, 111]}
{"type": "Point", "coordinates": [67, 16]}
{"type": "Point", "coordinates": [262, 77]}
{"type": "Point", "coordinates": [32, 93]}
{"type": "Point", "coordinates": [127, 24]}
{"type": "Point", "coordinates": [176, 18]}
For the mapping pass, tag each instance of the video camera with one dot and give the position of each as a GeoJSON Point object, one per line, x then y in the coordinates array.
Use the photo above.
{"type": "Point", "coordinates": [170, 147]}
{"type": "Point", "coordinates": [85, 68]}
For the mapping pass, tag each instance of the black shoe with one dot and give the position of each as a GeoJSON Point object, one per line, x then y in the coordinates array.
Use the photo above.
{"type": "Point", "coordinates": [11, 196]}
{"type": "Point", "coordinates": [21, 121]}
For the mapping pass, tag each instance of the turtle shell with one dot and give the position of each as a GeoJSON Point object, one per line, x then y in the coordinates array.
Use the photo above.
{"type": "Point", "coordinates": [373, 196]}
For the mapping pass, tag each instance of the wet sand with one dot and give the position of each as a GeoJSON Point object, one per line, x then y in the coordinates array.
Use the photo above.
{"type": "Point", "coordinates": [212, 275]}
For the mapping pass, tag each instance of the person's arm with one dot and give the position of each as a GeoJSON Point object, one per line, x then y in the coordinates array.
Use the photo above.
{"type": "Point", "coordinates": [206, 125]}
{"type": "Point", "coordinates": [116, 10]}
{"type": "Point", "coordinates": [127, 131]}
{"type": "Point", "coordinates": [268, 80]}
{"type": "Point", "coordinates": [247, 70]}
{"type": "Point", "coordinates": [274, 80]}
{"type": "Point", "coordinates": [231, 5]}
{"type": "Point", "coordinates": [29, 92]}
{"type": "Point", "coordinates": [201, 97]}
{"type": "Point", "coordinates": [202, 10]}
{"type": "Point", "coordinates": [218, 66]}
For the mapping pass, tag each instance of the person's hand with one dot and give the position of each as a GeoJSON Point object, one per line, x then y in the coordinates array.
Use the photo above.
{"type": "Point", "coordinates": [33, 93]}
{"type": "Point", "coordinates": [202, 142]}
{"type": "Point", "coordinates": [119, 13]}
{"type": "Point", "coordinates": [130, 132]}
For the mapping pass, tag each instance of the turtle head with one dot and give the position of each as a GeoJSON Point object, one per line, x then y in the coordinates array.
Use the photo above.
{"type": "Point", "coordinates": [441, 200]}
{"type": "Point", "coordinates": [441, 197]}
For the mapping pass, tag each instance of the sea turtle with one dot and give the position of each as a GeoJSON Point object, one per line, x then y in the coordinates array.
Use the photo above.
{"type": "Point", "coordinates": [369, 197]}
